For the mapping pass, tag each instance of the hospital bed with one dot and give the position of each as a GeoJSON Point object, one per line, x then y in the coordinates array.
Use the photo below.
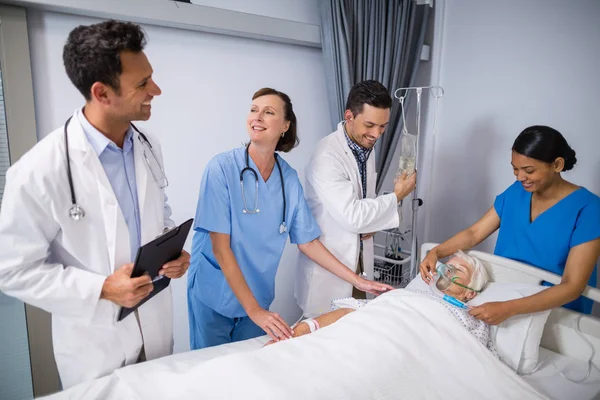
{"type": "Point", "coordinates": [561, 349]}
{"type": "Point", "coordinates": [560, 342]}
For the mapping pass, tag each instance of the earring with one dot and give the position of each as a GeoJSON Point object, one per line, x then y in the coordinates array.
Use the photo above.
{"type": "Point", "coordinates": [282, 134]}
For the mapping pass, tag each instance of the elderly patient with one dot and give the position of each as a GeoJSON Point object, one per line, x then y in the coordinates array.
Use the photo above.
{"type": "Point", "coordinates": [462, 278]}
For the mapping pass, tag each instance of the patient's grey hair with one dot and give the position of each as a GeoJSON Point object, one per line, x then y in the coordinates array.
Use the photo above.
{"type": "Point", "coordinates": [480, 277]}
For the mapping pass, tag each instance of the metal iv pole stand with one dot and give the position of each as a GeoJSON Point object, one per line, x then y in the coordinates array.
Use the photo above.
{"type": "Point", "coordinates": [416, 201]}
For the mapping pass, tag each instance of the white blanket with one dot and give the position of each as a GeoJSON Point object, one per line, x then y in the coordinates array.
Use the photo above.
{"type": "Point", "coordinates": [402, 345]}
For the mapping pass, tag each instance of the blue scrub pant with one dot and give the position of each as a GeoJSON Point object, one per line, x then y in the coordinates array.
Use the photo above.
{"type": "Point", "coordinates": [209, 328]}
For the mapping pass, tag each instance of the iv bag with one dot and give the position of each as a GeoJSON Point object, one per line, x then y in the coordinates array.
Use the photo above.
{"type": "Point", "coordinates": [408, 153]}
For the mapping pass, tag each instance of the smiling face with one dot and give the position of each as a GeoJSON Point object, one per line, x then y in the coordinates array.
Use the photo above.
{"type": "Point", "coordinates": [533, 174]}
{"type": "Point", "coordinates": [131, 102]}
{"type": "Point", "coordinates": [367, 126]}
{"type": "Point", "coordinates": [266, 120]}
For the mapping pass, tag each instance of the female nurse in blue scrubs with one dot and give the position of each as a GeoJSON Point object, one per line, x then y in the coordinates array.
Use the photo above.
{"type": "Point", "coordinates": [544, 221]}
{"type": "Point", "coordinates": [250, 201]}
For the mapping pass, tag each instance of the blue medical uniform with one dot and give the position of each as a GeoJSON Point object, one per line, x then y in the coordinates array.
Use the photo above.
{"type": "Point", "coordinates": [546, 242]}
{"type": "Point", "coordinates": [215, 314]}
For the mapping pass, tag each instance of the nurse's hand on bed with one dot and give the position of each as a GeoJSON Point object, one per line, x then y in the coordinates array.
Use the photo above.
{"type": "Point", "coordinates": [271, 323]}
{"type": "Point", "coordinates": [372, 287]}
{"type": "Point", "coordinates": [492, 313]}
{"type": "Point", "coordinates": [299, 330]}
{"type": "Point", "coordinates": [427, 266]}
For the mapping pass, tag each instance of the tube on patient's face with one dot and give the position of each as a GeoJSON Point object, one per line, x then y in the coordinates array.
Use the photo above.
{"type": "Point", "coordinates": [461, 273]}
{"type": "Point", "coordinates": [446, 297]}
{"type": "Point", "coordinates": [455, 302]}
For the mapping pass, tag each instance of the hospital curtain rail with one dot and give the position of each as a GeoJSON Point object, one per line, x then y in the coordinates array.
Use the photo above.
{"type": "Point", "coordinates": [372, 39]}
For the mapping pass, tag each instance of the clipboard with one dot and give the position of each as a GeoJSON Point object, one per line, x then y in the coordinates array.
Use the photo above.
{"type": "Point", "coordinates": [153, 255]}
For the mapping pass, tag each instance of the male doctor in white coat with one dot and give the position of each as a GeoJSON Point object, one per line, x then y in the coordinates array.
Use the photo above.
{"type": "Point", "coordinates": [340, 190]}
{"type": "Point", "coordinates": [77, 266]}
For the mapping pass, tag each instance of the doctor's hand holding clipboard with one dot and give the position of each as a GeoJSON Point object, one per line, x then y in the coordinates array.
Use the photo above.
{"type": "Point", "coordinates": [125, 291]}
{"type": "Point", "coordinates": [176, 268]}
{"type": "Point", "coordinates": [158, 260]}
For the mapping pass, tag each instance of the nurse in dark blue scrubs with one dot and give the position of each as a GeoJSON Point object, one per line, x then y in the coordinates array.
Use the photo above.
{"type": "Point", "coordinates": [544, 221]}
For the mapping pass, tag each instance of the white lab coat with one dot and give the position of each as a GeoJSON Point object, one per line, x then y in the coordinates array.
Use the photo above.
{"type": "Point", "coordinates": [334, 193]}
{"type": "Point", "coordinates": [59, 265]}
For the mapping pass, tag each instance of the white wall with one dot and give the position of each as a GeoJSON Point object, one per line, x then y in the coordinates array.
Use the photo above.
{"type": "Point", "coordinates": [207, 82]}
{"type": "Point", "coordinates": [504, 65]}
{"type": "Point", "coordinates": [306, 11]}
{"type": "Point", "coordinates": [507, 65]}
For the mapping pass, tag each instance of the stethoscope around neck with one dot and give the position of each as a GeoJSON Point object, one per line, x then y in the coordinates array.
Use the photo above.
{"type": "Point", "coordinates": [248, 168]}
{"type": "Point", "coordinates": [76, 212]}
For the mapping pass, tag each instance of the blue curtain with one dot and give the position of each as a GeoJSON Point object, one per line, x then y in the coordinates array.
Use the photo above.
{"type": "Point", "coordinates": [372, 39]}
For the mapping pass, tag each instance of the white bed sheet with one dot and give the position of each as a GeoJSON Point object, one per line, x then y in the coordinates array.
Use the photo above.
{"type": "Point", "coordinates": [334, 360]}
{"type": "Point", "coordinates": [548, 381]}
{"type": "Point", "coordinates": [109, 386]}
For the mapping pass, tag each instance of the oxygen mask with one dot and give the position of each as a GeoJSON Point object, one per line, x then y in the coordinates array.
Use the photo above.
{"type": "Point", "coordinates": [445, 273]}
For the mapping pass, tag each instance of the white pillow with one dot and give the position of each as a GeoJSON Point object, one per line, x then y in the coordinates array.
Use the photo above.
{"type": "Point", "coordinates": [417, 284]}
{"type": "Point", "coordinates": [518, 338]}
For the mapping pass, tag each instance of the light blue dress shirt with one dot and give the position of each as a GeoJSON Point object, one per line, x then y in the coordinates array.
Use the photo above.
{"type": "Point", "coordinates": [119, 165]}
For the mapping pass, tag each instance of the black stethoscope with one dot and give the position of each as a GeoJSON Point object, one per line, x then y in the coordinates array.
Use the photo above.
{"type": "Point", "coordinates": [76, 212]}
{"type": "Point", "coordinates": [245, 210]}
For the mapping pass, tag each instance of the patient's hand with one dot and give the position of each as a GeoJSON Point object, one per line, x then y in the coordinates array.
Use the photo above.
{"type": "Point", "coordinates": [301, 329]}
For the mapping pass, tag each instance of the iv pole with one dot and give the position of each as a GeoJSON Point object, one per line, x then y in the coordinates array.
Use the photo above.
{"type": "Point", "coordinates": [436, 92]}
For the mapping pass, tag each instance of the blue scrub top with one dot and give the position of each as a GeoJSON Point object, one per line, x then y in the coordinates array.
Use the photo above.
{"type": "Point", "coordinates": [255, 238]}
{"type": "Point", "coordinates": [546, 242]}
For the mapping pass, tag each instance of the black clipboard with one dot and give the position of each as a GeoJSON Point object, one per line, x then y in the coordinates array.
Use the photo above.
{"type": "Point", "coordinates": [153, 255]}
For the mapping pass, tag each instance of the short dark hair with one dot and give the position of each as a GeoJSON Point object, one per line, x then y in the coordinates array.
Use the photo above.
{"type": "Point", "coordinates": [92, 53]}
{"type": "Point", "coordinates": [290, 139]}
{"type": "Point", "coordinates": [545, 144]}
{"type": "Point", "coordinates": [372, 93]}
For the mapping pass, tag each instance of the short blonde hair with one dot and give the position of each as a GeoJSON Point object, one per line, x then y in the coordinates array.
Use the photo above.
{"type": "Point", "coordinates": [480, 277]}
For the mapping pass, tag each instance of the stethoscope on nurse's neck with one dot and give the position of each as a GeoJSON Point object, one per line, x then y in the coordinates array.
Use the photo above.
{"type": "Point", "coordinates": [248, 168]}
{"type": "Point", "coordinates": [76, 212]}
